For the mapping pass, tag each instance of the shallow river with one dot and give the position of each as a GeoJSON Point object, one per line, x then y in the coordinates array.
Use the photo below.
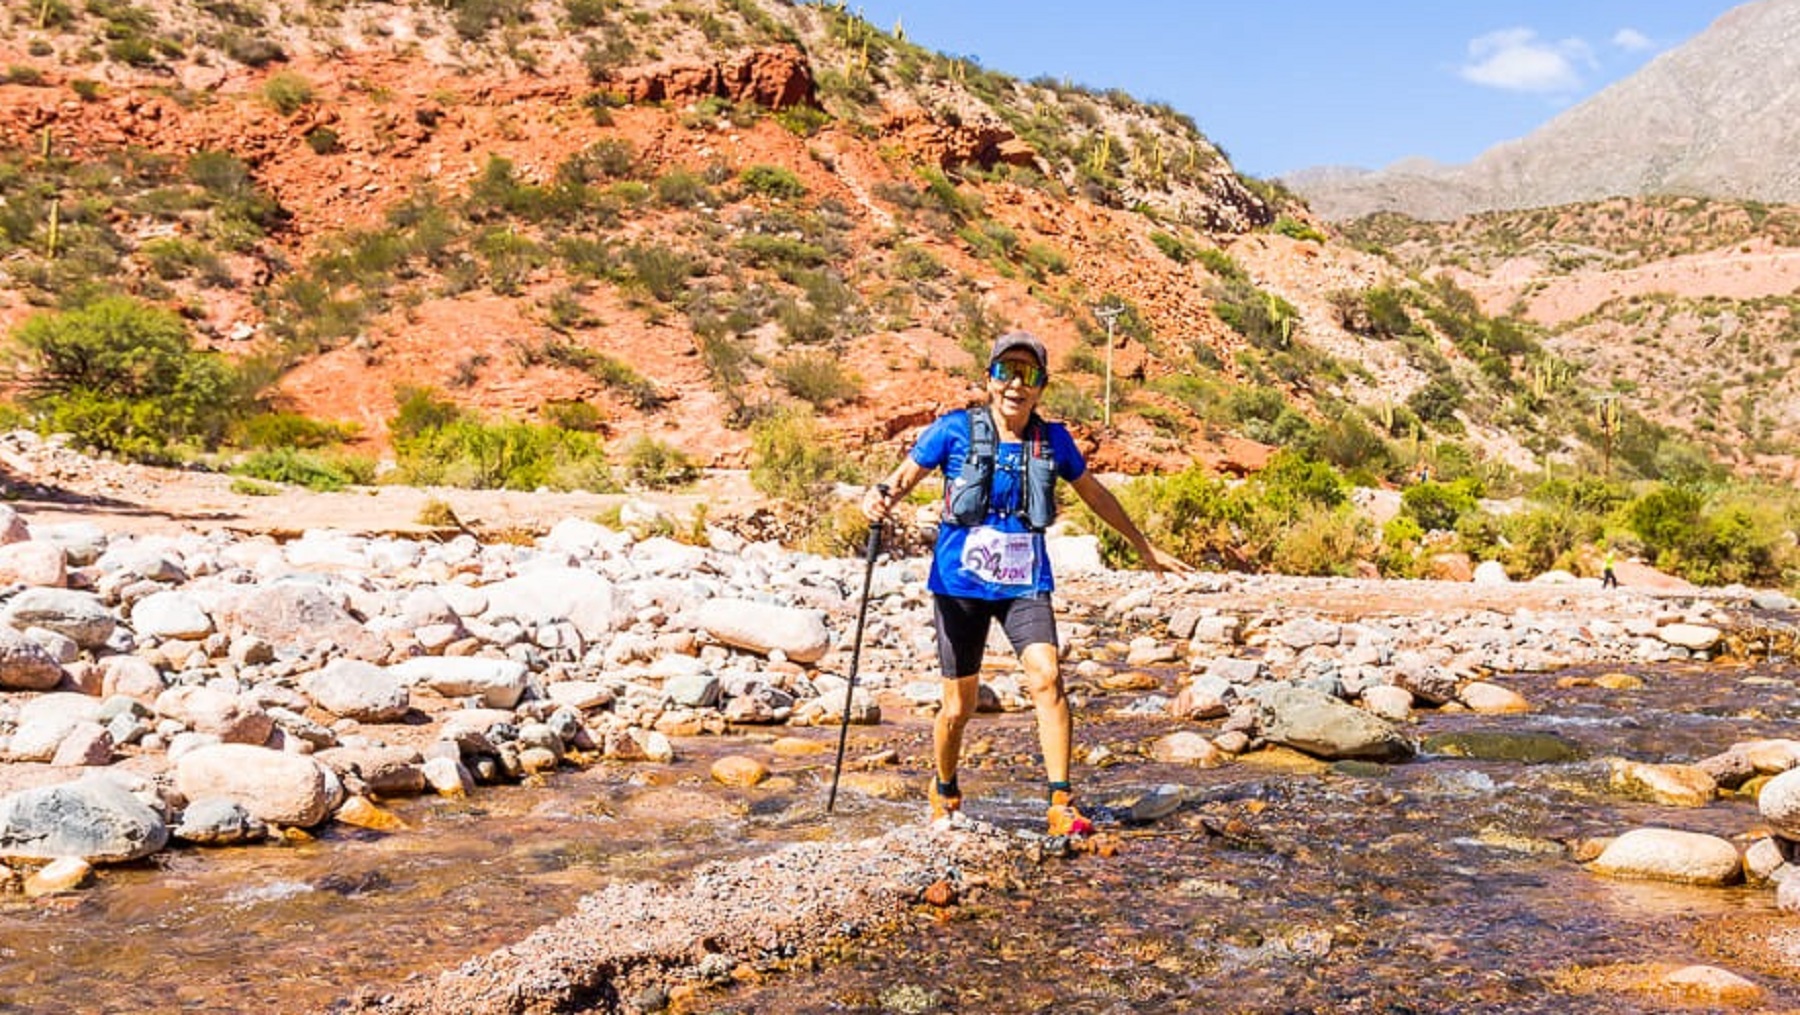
{"type": "Point", "coordinates": [1435, 886]}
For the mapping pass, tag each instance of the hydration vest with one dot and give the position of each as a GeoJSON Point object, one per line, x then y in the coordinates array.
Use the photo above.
{"type": "Point", "coordinates": [966, 497]}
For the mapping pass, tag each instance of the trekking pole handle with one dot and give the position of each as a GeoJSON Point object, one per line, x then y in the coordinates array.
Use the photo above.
{"type": "Point", "coordinates": [874, 545]}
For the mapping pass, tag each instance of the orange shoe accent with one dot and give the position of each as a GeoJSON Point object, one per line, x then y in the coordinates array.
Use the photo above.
{"type": "Point", "coordinates": [1064, 819]}
{"type": "Point", "coordinates": [941, 806]}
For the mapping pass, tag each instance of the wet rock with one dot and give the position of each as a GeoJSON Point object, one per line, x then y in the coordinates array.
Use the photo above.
{"type": "Point", "coordinates": [1492, 699]}
{"type": "Point", "coordinates": [1426, 680]}
{"type": "Point", "coordinates": [880, 785]}
{"type": "Point", "coordinates": [1664, 854]}
{"type": "Point", "coordinates": [1521, 746]}
{"type": "Point", "coordinates": [361, 812]}
{"type": "Point", "coordinates": [1693, 637]}
{"type": "Point", "coordinates": [64, 874]}
{"type": "Point", "coordinates": [384, 771]}
{"type": "Point", "coordinates": [1673, 785]}
{"type": "Point", "coordinates": [1186, 748]}
{"type": "Point", "coordinates": [95, 818]}
{"type": "Point", "coordinates": [1779, 802]}
{"type": "Point", "coordinates": [1325, 727]}
{"type": "Point", "coordinates": [282, 789]}
{"type": "Point", "coordinates": [1388, 702]}
{"type": "Point", "coordinates": [1763, 861]}
{"type": "Point", "coordinates": [217, 821]}
{"type": "Point", "coordinates": [738, 770]}
{"type": "Point", "coordinates": [448, 777]}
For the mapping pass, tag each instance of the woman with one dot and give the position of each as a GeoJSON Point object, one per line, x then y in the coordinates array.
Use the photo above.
{"type": "Point", "coordinates": [1000, 463]}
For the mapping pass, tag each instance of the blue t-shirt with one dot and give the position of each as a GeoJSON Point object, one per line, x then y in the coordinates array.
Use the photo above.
{"type": "Point", "coordinates": [1001, 558]}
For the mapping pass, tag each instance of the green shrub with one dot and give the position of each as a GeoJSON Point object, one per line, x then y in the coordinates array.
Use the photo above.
{"type": "Point", "coordinates": [85, 89]}
{"type": "Point", "coordinates": [682, 189]}
{"type": "Point", "coordinates": [573, 415]}
{"type": "Point", "coordinates": [287, 93]}
{"type": "Point", "coordinates": [772, 181]}
{"type": "Point", "coordinates": [661, 272]}
{"type": "Point", "coordinates": [1289, 226]}
{"type": "Point", "coordinates": [782, 251]}
{"type": "Point", "coordinates": [122, 376]}
{"type": "Point", "coordinates": [473, 453]}
{"type": "Point", "coordinates": [804, 121]}
{"type": "Point", "coordinates": [790, 461]}
{"type": "Point", "coordinates": [1440, 505]}
{"type": "Point", "coordinates": [1322, 542]}
{"type": "Point", "coordinates": [818, 378]}
{"type": "Point", "coordinates": [273, 430]}
{"type": "Point", "coordinates": [298, 468]}
{"type": "Point", "coordinates": [172, 257]}
{"type": "Point", "coordinates": [654, 465]}
{"type": "Point", "coordinates": [1190, 514]}
{"type": "Point", "coordinates": [322, 140]}
{"type": "Point", "coordinates": [1173, 247]}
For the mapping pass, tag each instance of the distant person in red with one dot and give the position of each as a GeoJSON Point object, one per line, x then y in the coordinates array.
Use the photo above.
{"type": "Point", "coordinates": [1001, 462]}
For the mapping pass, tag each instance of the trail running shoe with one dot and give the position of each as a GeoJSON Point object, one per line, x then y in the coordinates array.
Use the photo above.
{"type": "Point", "coordinates": [1064, 819]}
{"type": "Point", "coordinates": [942, 807]}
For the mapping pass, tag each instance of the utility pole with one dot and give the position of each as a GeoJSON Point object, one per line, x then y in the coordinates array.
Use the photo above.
{"type": "Point", "coordinates": [1108, 313]}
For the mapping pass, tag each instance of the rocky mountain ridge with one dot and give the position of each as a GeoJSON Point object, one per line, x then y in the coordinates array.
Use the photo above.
{"type": "Point", "coordinates": [1712, 117]}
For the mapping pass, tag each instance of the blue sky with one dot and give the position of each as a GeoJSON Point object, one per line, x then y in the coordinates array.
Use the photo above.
{"type": "Point", "coordinates": [1286, 84]}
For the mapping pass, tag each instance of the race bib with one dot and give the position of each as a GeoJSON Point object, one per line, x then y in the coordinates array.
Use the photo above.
{"type": "Point", "coordinates": [1001, 558]}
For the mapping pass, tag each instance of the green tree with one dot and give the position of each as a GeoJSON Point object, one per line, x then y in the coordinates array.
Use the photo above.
{"type": "Point", "coordinates": [122, 376]}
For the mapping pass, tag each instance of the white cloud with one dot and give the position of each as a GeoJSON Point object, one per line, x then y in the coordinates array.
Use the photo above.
{"type": "Point", "coordinates": [1516, 60]}
{"type": "Point", "coordinates": [1631, 40]}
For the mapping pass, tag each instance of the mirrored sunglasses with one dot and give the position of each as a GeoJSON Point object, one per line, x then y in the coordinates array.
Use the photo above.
{"type": "Point", "coordinates": [1030, 373]}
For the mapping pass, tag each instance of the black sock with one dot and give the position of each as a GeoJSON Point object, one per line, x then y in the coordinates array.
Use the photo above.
{"type": "Point", "coordinates": [948, 789]}
{"type": "Point", "coordinates": [1060, 787]}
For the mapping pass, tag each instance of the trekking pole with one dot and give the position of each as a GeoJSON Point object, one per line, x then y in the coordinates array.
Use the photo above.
{"type": "Point", "coordinates": [862, 612]}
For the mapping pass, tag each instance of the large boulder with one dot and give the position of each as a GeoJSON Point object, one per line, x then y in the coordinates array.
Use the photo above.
{"type": "Point", "coordinates": [1665, 854]}
{"type": "Point", "coordinates": [279, 788]}
{"type": "Point", "coordinates": [765, 627]}
{"type": "Point", "coordinates": [94, 818]}
{"type": "Point", "coordinates": [79, 616]}
{"type": "Point", "coordinates": [1322, 726]}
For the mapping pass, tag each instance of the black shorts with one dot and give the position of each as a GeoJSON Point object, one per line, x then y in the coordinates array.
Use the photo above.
{"type": "Point", "coordinates": [962, 628]}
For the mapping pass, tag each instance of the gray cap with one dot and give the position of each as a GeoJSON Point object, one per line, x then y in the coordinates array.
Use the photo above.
{"type": "Point", "coordinates": [1020, 340]}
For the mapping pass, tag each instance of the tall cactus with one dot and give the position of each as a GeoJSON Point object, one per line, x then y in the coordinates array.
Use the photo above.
{"type": "Point", "coordinates": [1609, 417]}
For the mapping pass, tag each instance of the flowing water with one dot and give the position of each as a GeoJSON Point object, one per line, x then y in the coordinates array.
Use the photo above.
{"type": "Point", "coordinates": [1438, 885]}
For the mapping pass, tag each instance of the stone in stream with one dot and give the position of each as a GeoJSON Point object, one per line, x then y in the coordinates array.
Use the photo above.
{"type": "Point", "coordinates": [1322, 726]}
{"type": "Point", "coordinates": [1666, 854]}
{"type": "Point", "coordinates": [282, 789]}
{"type": "Point", "coordinates": [1523, 746]}
{"type": "Point", "coordinates": [216, 821]}
{"type": "Point", "coordinates": [94, 818]}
